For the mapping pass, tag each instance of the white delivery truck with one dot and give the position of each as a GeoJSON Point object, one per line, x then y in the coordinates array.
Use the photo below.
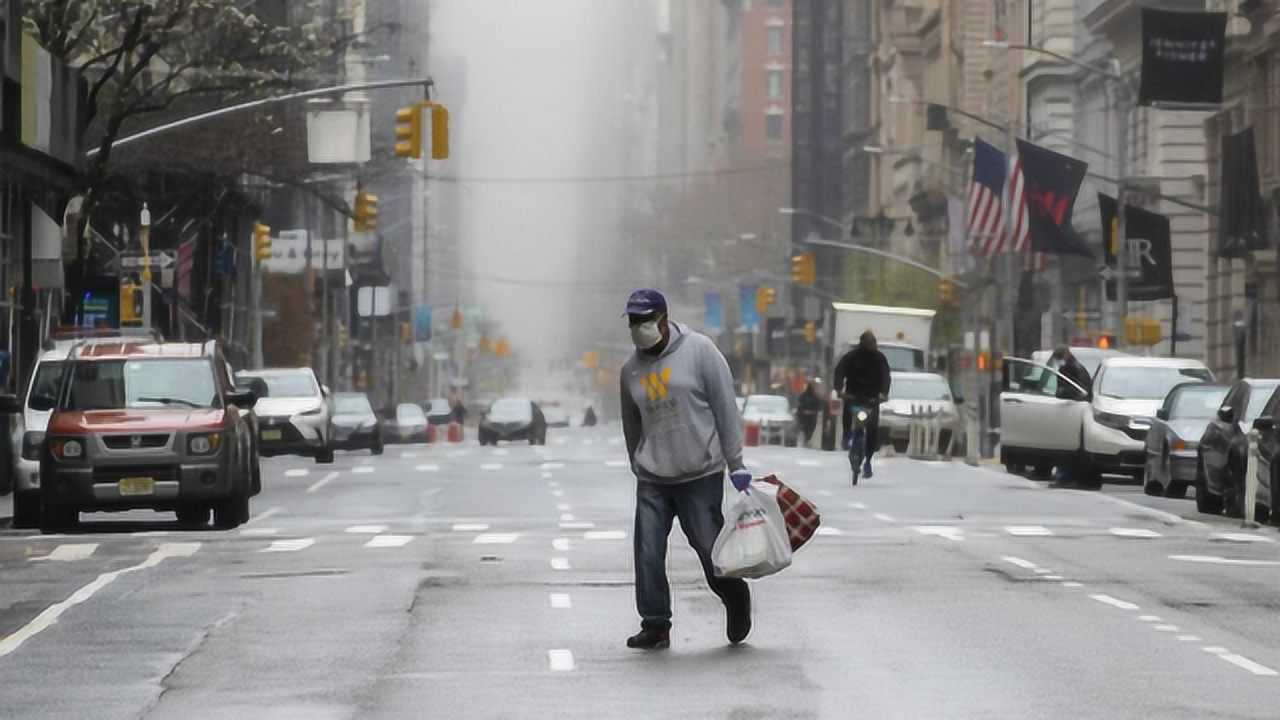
{"type": "Point", "coordinates": [903, 333]}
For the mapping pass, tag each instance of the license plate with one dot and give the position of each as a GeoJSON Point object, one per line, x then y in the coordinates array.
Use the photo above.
{"type": "Point", "coordinates": [272, 434]}
{"type": "Point", "coordinates": [137, 486]}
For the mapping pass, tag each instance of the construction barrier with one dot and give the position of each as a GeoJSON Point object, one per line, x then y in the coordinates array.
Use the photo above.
{"type": "Point", "coordinates": [751, 434]}
{"type": "Point", "coordinates": [431, 433]}
{"type": "Point", "coordinates": [455, 432]}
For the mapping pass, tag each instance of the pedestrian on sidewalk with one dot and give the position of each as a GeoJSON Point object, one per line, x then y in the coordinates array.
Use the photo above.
{"type": "Point", "coordinates": [682, 427]}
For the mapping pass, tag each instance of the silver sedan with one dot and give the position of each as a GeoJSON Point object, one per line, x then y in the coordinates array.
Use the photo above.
{"type": "Point", "coordinates": [1174, 437]}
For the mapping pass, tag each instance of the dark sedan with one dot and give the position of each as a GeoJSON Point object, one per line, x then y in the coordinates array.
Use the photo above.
{"type": "Point", "coordinates": [1224, 447]}
{"type": "Point", "coordinates": [1175, 434]}
{"type": "Point", "coordinates": [513, 419]}
{"type": "Point", "coordinates": [1269, 459]}
{"type": "Point", "coordinates": [355, 425]}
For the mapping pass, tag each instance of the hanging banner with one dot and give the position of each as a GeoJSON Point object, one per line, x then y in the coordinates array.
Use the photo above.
{"type": "Point", "coordinates": [713, 319]}
{"type": "Point", "coordinates": [1149, 262]}
{"type": "Point", "coordinates": [1050, 182]}
{"type": "Point", "coordinates": [1241, 220]}
{"type": "Point", "coordinates": [747, 308]}
{"type": "Point", "coordinates": [1183, 57]}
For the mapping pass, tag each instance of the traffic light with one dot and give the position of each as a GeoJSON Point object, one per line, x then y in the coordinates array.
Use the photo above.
{"type": "Point", "coordinates": [131, 312]}
{"type": "Point", "coordinates": [804, 269]}
{"type": "Point", "coordinates": [1106, 341]}
{"type": "Point", "coordinates": [501, 348]}
{"type": "Point", "coordinates": [811, 332]}
{"type": "Point", "coordinates": [261, 242]}
{"type": "Point", "coordinates": [439, 131]}
{"type": "Point", "coordinates": [366, 212]}
{"type": "Point", "coordinates": [406, 332]}
{"type": "Point", "coordinates": [409, 132]}
{"type": "Point", "coordinates": [946, 292]}
{"type": "Point", "coordinates": [764, 298]}
{"type": "Point", "coordinates": [591, 360]}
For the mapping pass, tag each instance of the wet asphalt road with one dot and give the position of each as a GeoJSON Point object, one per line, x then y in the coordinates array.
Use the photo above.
{"type": "Point", "coordinates": [455, 581]}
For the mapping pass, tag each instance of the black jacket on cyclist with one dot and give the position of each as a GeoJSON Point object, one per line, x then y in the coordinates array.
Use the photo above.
{"type": "Point", "coordinates": [863, 373]}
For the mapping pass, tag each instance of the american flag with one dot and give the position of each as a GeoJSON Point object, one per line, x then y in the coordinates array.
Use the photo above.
{"type": "Point", "coordinates": [989, 229]}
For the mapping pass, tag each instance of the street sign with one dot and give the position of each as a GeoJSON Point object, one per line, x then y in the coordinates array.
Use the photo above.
{"type": "Point", "coordinates": [1106, 273]}
{"type": "Point", "coordinates": [158, 260]}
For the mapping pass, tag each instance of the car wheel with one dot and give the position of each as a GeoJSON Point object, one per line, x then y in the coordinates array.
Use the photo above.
{"type": "Point", "coordinates": [26, 509]}
{"type": "Point", "coordinates": [900, 447]}
{"type": "Point", "coordinates": [1152, 488]}
{"type": "Point", "coordinates": [1175, 490]}
{"type": "Point", "coordinates": [193, 514]}
{"type": "Point", "coordinates": [1206, 502]}
{"type": "Point", "coordinates": [325, 456]}
{"type": "Point", "coordinates": [232, 512]}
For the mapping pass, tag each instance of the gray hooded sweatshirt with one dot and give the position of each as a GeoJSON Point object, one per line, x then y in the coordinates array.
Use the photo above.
{"type": "Point", "coordinates": [679, 413]}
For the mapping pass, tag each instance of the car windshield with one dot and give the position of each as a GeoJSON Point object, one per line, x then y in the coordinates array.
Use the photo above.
{"type": "Point", "coordinates": [352, 404]}
{"type": "Point", "coordinates": [902, 358]}
{"type": "Point", "coordinates": [48, 380]}
{"type": "Point", "coordinates": [934, 388]}
{"type": "Point", "coordinates": [767, 405]}
{"type": "Point", "coordinates": [138, 384]}
{"type": "Point", "coordinates": [290, 385]}
{"type": "Point", "coordinates": [1258, 398]}
{"type": "Point", "coordinates": [409, 413]}
{"type": "Point", "coordinates": [511, 410]}
{"type": "Point", "coordinates": [1148, 383]}
{"type": "Point", "coordinates": [1197, 403]}
{"type": "Point", "coordinates": [439, 406]}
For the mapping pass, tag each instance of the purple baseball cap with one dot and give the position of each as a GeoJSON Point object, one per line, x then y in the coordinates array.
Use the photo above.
{"type": "Point", "coordinates": [646, 301]}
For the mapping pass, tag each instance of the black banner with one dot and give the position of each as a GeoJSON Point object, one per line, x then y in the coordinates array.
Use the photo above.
{"type": "Point", "coordinates": [1050, 182]}
{"type": "Point", "coordinates": [1241, 217]}
{"type": "Point", "coordinates": [1183, 56]}
{"type": "Point", "coordinates": [1149, 263]}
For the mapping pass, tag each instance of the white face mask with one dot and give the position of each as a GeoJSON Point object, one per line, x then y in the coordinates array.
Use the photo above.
{"type": "Point", "coordinates": [646, 335]}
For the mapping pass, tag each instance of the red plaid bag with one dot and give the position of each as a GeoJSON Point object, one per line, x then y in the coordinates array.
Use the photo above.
{"type": "Point", "coordinates": [801, 515]}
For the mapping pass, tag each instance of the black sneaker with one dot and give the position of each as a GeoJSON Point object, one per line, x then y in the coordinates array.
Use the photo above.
{"type": "Point", "coordinates": [650, 639]}
{"type": "Point", "coordinates": [738, 616]}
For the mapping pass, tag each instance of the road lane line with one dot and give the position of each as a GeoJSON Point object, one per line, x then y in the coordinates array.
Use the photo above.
{"type": "Point", "coordinates": [560, 544]}
{"type": "Point", "coordinates": [408, 455]}
{"type": "Point", "coordinates": [259, 532]}
{"type": "Point", "coordinates": [858, 506]}
{"type": "Point", "coordinates": [366, 529]}
{"type": "Point", "coordinates": [882, 517]}
{"type": "Point", "coordinates": [604, 535]}
{"type": "Point", "coordinates": [1150, 618]}
{"type": "Point", "coordinates": [491, 466]}
{"type": "Point", "coordinates": [470, 527]}
{"type": "Point", "coordinates": [564, 507]}
{"type": "Point", "coordinates": [1043, 571]}
{"type": "Point", "coordinates": [388, 541]}
{"type": "Point", "coordinates": [269, 512]}
{"type": "Point", "coordinates": [561, 660]}
{"type": "Point", "coordinates": [829, 531]}
{"type": "Point", "coordinates": [1241, 538]}
{"type": "Point", "coordinates": [1245, 663]}
{"type": "Point", "coordinates": [943, 531]}
{"type": "Point", "coordinates": [1114, 602]}
{"type": "Point", "coordinates": [1223, 561]}
{"type": "Point", "coordinates": [69, 552]}
{"type": "Point", "coordinates": [1165, 628]}
{"type": "Point", "coordinates": [577, 525]}
{"type": "Point", "coordinates": [559, 563]}
{"type": "Point", "coordinates": [297, 472]}
{"type": "Point", "coordinates": [1215, 650]}
{"type": "Point", "coordinates": [554, 484]}
{"type": "Point", "coordinates": [1135, 533]}
{"type": "Point", "coordinates": [566, 517]}
{"type": "Point", "coordinates": [322, 482]}
{"type": "Point", "coordinates": [1024, 564]}
{"type": "Point", "coordinates": [617, 463]}
{"type": "Point", "coordinates": [293, 545]}
{"type": "Point", "coordinates": [361, 470]}
{"type": "Point", "coordinates": [427, 468]}
{"type": "Point", "coordinates": [561, 601]}
{"type": "Point", "coordinates": [1072, 584]}
{"type": "Point", "coordinates": [557, 493]}
{"type": "Point", "coordinates": [1188, 638]}
{"type": "Point", "coordinates": [552, 466]}
{"type": "Point", "coordinates": [1028, 530]}
{"type": "Point", "coordinates": [49, 616]}
{"type": "Point", "coordinates": [495, 538]}
{"type": "Point", "coordinates": [1054, 578]}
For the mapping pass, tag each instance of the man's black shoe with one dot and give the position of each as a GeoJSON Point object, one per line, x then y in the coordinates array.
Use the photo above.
{"type": "Point", "coordinates": [738, 625]}
{"type": "Point", "coordinates": [650, 639]}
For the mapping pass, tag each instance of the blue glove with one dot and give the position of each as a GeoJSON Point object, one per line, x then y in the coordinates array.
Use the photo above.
{"type": "Point", "coordinates": [741, 480]}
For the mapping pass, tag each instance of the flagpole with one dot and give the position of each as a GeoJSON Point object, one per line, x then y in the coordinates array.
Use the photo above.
{"type": "Point", "coordinates": [1121, 239]}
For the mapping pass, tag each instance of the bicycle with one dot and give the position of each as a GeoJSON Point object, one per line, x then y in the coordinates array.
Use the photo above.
{"type": "Point", "coordinates": [860, 412]}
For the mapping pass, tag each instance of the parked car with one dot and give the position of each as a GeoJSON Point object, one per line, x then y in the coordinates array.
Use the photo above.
{"type": "Point", "coordinates": [295, 416]}
{"type": "Point", "coordinates": [513, 418]}
{"type": "Point", "coordinates": [1269, 459]}
{"type": "Point", "coordinates": [141, 424]}
{"type": "Point", "coordinates": [1041, 417]}
{"type": "Point", "coordinates": [439, 412]}
{"type": "Point", "coordinates": [355, 425]}
{"type": "Point", "coordinates": [1174, 437]}
{"type": "Point", "coordinates": [556, 413]}
{"type": "Point", "coordinates": [410, 424]}
{"type": "Point", "coordinates": [926, 391]}
{"type": "Point", "coordinates": [1224, 447]}
{"type": "Point", "coordinates": [773, 414]}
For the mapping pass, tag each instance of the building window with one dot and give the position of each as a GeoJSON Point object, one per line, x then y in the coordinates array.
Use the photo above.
{"type": "Point", "coordinates": [773, 84]}
{"type": "Point", "coordinates": [774, 34]}
{"type": "Point", "coordinates": [773, 126]}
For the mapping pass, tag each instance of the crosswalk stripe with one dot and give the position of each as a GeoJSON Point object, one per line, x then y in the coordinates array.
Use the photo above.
{"type": "Point", "coordinates": [293, 545]}
{"type": "Point", "coordinates": [387, 541]}
{"type": "Point", "coordinates": [427, 468]}
{"type": "Point", "coordinates": [1135, 533]}
{"type": "Point", "coordinates": [604, 535]}
{"type": "Point", "coordinates": [561, 660]}
{"type": "Point", "coordinates": [495, 538]}
{"type": "Point", "coordinates": [366, 529]}
{"type": "Point", "coordinates": [559, 563]}
{"type": "Point", "coordinates": [362, 469]}
{"type": "Point", "coordinates": [1028, 531]}
{"type": "Point", "coordinates": [470, 527]}
{"type": "Point", "coordinates": [561, 601]}
{"type": "Point", "coordinates": [297, 472]}
{"type": "Point", "coordinates": [259, 532]}
{"type": "Point", "coordinates": [491, 466]}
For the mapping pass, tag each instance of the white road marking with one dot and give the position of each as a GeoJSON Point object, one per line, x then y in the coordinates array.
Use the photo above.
{"type": "Point", "coordinates": [495, 538]}
{"type": "Point", "coordinates": [1215, 650]}
{"type": "Point", "coordinates": [564, 507]}
{"type": "Point", "coordinates": [1165, 628]}
{"type": "Point", "coordinates": [561, 660]}
{"type": "Point", "coordinates": [1113, 602]}
{"type": "Point", "coordinates": [1043, 571]}
{"type": "Point", "coordinates": [577, 525]}
{"type": "Point", "coordinates": [1135, 533]}
{"type": "Point", "coordinates": [561, 544]}
{"type": "Point", "coordinates": [362, 469]}
{"type": "Point", "coordinates": [604, 535]}
{"type": "Point", "coordinates": [1245, 663]}
{"type": "Point", "coordinates": [829, 531]}
{"type": "Point", "coordinates": [491, 466]}
{"type": "Point", "coordinates": [269, 512]}
{"type": "Point", "coordinates": [858, 506]}
{"type": "Point", "coordinates": [559, 563]}
{"type": "Point", "coordinates": [259, 532]}
{"type": "Point", "coordinates": [882, 517]}
{"type": "Point", "coordinates": [617, 463]}
{"type": "Point", "coordinates": [50, 615]}
{"type": "Point", "coordinates": [322, 482]}
{"type": "Point", "coordinates": [1054, 578]}
{"type": "Point", "coordinates": [1028, 531]}
{"type": "Point", "coordinates": [388, 541]}
{"type": "Point", "coordinates": [1072, 584]}
{"type": "Point", "coordinates": [1223, 561]}
{"type": "Point", "coordinates": [470, 527]}
{"type": "Point", "coordinates": [942, 531]}
{"type": "Point", "coordinates": [1150, 618]}
{"type": "Point", "coordinates": [1241, 538]}
{"type": "Point", "coordinates": [561, 601]}
{"type": "Point", "coordinates": [69, 552]}
{"type": "Point", "coordinates": [289, 545]}
{"type": "Point", "coordinates": [1188, 638]}
{"type": "Point", "coordinates": [1167, 518]}
{"type": "Point", "coordinates": [366, 529]}
{"type": "Point", "coordinates": [557, 493]}
{"type": "Point", "coordinates": [1024, 564]}
{"type": "Point", "coordinates": [427, 468]}
{"type": "Point", "coordinates": [297, 472]}
{"type": "Point", "coordinates": [408, 455]}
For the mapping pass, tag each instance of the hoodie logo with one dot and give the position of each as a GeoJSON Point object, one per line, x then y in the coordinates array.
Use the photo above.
{"type": "Point", "coordinates": [655, 385]}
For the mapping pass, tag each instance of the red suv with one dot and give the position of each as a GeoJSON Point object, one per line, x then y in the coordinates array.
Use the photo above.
{"type": "Point", "coordinates": [141, 424]}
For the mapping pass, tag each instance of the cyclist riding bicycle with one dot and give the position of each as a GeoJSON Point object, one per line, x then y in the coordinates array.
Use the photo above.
{"type": "Point", "coordinates": [862, 378]}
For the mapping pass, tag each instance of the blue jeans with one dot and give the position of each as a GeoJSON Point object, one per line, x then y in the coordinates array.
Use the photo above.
{"type": "Point", "coordinates": [697, 504]}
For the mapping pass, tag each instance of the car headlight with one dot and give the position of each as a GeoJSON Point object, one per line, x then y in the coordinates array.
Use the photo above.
{"type": "Point", "coordinates": [204, 444]}
{"type": "Point", "coordinates": [862, 416]}
{"type": "Point", "coordinates": [1111, 420]}
{"type": "Point", "coordinates": [32, 444]}
{"type": "Point", "coordinates": [67, 449]}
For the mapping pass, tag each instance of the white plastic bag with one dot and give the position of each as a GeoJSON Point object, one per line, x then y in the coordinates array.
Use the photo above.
{"type": "Point", "coordinates": [753, 542]}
